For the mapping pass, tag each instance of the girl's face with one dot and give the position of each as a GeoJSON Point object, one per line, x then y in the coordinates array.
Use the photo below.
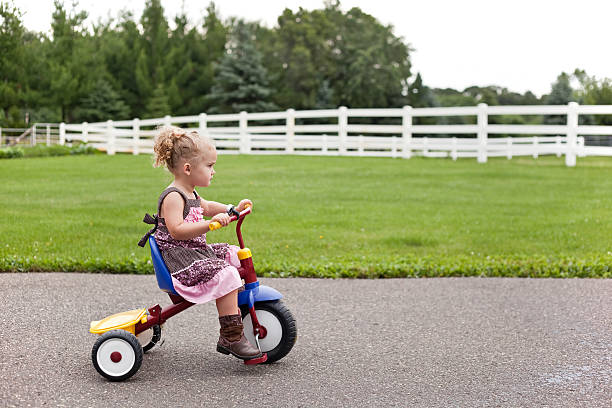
{"type": "Point", "coordinates": [202, 173]}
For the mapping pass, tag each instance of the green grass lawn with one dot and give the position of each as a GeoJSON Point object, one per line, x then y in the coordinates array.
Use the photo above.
{"type": "Point", "coordinates": [324, 216]}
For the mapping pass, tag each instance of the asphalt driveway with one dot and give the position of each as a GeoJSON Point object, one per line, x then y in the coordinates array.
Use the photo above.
{"type": "Point", "coordinates": [398, 342]}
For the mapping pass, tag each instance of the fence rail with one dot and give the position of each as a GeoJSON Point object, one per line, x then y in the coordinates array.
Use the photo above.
{"type": "Point", "coordinates": [338, 132]}
{"type": "Point", "coordinates": [39, 133]}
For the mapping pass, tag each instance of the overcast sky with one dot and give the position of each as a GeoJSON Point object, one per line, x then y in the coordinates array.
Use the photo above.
{"type": "Point", "coordinates": [519, 44]}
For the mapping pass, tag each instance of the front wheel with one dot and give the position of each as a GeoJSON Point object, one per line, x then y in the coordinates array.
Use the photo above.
{"type": "Point", "coordinates": [281, 330]}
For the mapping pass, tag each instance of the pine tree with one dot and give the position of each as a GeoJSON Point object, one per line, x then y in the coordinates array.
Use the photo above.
{"type": "Point", "coordinates": [120, 48]}
{"type": "Point", "coordinates": [325, 96]}
{"type": "Point", "coordinates": [155, 38]}
{"type": "Point", "coordinates": [241, 81]}
{"type": "Point", "coordinates": [11, 60]}
{"type": "Point", "coordinates": [142, 79]}
{"type": "Point", "coordinates": [158, 105]}
{"type": "Point", "coordinates": [74, 63]}
{"type": "Point", "coordinates": [103, 103]}
{"type": "Point", "coordinates": [205, 56]}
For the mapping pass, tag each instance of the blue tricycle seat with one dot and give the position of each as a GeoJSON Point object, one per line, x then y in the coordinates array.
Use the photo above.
{"type": "Point", "coordinates": [164, 281]}
{"type": "Point", "coordinates": [252, 292]}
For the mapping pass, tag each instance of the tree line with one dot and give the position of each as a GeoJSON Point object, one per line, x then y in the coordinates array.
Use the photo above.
{"type": "Point", "coordinates": [311, 59]}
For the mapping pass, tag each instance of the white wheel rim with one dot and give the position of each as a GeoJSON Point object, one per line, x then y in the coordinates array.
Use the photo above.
{"type": "Point", "coordinates": [122, 367]}
{"type": "Point", "coordinates": [274, 330]}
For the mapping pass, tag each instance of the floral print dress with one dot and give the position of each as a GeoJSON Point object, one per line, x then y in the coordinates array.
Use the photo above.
{"type": "Point", "coordinates": [200, 272]}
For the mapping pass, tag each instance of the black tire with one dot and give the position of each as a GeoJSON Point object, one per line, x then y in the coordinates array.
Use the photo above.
{"type": "Point", "coordinates": [130, 352]}
{"type": "Point", "coordinates": [287, 322]}
{"type": "Point", "coordinates": [157, 334]}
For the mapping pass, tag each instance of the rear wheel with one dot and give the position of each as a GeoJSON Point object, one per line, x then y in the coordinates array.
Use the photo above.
{"type": "Point", "coordinates": [281, 330]}
{"type": "Point", "coordinates": [117, 355]}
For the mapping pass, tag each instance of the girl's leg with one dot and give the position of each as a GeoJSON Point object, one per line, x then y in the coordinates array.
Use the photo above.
{"type": "Point", "coordinates": [231, 334]}
{"type": "Point", "coordinates": [232, 256]}
{"type": "Point", "coordinates": [228, 304]}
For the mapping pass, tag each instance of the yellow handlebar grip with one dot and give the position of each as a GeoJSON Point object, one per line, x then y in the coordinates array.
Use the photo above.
{"type": "Point", "coordinates": [247, 206]}
{"type": "Point", "coordinates": [214, 225]}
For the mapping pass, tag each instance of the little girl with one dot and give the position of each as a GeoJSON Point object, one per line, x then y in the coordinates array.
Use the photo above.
{"type": "Point", "coordinates": [200, 272]}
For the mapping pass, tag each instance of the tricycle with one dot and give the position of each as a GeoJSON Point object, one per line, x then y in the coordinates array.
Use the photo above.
{"type": "Point", "coordinates": [124, 337]}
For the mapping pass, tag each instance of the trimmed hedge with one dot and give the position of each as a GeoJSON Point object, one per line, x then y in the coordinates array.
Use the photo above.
{"type": "Point", "coordinates": [11, 153]}
{"type": "Point", "coordinates": [46, 151]}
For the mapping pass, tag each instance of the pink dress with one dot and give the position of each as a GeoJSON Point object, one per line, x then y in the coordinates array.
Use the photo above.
{"type": "Point", "coordinates": [200, 271]}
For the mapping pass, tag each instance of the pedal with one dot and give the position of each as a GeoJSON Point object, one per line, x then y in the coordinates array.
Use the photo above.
{"type": "Point", "coordinates": [257, 360]}
{"type": "Point", "coordinates": [257, 341]}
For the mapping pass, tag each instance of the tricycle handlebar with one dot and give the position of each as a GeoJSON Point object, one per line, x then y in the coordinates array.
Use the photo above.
{"type": "Point", "coordinates": [216, 225]}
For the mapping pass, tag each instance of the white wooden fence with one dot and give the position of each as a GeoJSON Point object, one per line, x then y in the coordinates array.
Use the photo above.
{"type": "Point", "coordinates": [39, 133]}
{"type": "Point", "coordinates": [337, 132]}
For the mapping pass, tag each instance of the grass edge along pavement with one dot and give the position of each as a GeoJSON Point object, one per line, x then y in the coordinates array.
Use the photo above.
{"type": "Point", "coordinates": [409, 267]}
{"type": "Point", "coordinates": [435, 237]}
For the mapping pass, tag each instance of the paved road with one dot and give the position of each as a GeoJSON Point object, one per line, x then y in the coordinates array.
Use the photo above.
{"type": "Point", "coordinates": [413, 342]}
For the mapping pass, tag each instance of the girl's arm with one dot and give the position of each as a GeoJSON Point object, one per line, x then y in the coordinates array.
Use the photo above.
{"type": "Point", "coordinates": [172, 213]}
{"type": "Point", "coordinates": [212, 208]}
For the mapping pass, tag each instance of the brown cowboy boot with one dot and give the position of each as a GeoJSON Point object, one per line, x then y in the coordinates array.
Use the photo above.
{"type": "Point", "coordinates": [232, 340]}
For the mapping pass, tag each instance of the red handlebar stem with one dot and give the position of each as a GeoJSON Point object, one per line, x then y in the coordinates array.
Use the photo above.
{"type": "Point", "coordinates": [240, 219]}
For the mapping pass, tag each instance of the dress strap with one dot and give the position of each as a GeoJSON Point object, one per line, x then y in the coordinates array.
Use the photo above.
{"type": "Point", "coordinates": [168, 191]}
{"type": "Point", "coordinates": [154, 219]}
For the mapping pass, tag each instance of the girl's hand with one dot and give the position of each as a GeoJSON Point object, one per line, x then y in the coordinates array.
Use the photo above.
{"type": "Point", "coordinates": [243, 205]}
{"type": "Point", "coordinates": [221, 218]}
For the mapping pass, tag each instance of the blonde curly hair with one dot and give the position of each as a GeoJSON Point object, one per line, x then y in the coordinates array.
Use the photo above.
{"type": "Point", "coordinates": [173, 143]}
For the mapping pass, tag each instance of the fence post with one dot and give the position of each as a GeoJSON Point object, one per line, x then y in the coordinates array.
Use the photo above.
{"type": "Point", "coordinates": [325, 143]}
{"type": "Point", "coordinates": [454, 154]}
{"type": "Point", "coordinates": [509, 148]}
{"type": "Point", "coordinates": [393, 147]}
{"type": "Point", "coordinates": [572, 133]}
{"type": "Point", "coordinates": [48, 135]}
{"type": "Point", "coordinates": [245, 146]}
{"type": "Point", "coordinates": [1, 138]}
{"type": "Point", "coordinates": [62, 133]}
{"type": "Point", "coordinates": [110, 134]}
{"type": "Point", "coordinates": [535, 147]}
{"type": "Point", "coordinates": [33, 139]}
{"type": "Point", "coordinates": [482, 132]}
{"type": "Point", "coordinates": [407, 131]}
{"type": "Point", "coordinates": [203, 126]}
{"type": "Point", "coordinates": [136, 136]}
{"type": "Point", "coordinates": [558, 145]}
{"type": "Point", "coordinates": [84, 132]}
{"type": "Point", "coordinates": [342, 126]}
{"type": "Point", "coordinates": [167, 121]}
{"type": "Point", "coordinates": [290, 131]}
